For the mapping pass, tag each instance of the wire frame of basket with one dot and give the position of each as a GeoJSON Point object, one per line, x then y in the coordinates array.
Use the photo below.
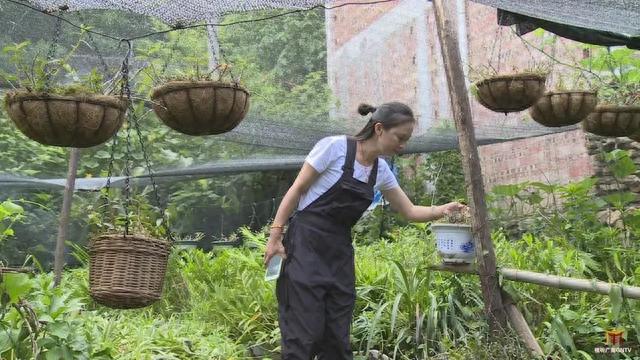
{"type": "Point", "coordinates": [70, 121]}
{"type": "Point", "coordinates": [127, 272]}
{"type": "Point", "coordinates": [200, 107]}
{"type": "Point", "coordinates": [510, 93]}
{"type": "Point", "coordinates": [563, 108]}
{"type": "Point", "coordinates": [613, 120]}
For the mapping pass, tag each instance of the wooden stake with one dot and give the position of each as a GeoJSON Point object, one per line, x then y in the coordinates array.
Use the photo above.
{"type": "Point", "coordinates": [63, 223]}
{"type": "Point", "coordinates": [520, 325]}
{"type": "Point", "coordinates": [461, 108]}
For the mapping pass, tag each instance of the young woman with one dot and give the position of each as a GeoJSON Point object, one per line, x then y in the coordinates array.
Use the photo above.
{"type": "Point", "coordinates": [316, 289]}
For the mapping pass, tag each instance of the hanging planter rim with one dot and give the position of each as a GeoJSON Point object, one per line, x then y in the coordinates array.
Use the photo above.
{"type": "Point", "coordinates": [516, 76]}
{"type": "Point", "coordinates": [177, 85]}
{"type": "Point", "coordinates": [569, 92]}
{"type": "Point", "coordinates": [120, 236]}
{"type": "Point", "coordinates": [95, 99]}
{"type": "Point", "coordinates": [617, 108]}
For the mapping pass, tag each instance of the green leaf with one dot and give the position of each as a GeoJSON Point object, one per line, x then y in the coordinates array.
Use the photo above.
{"type": "Point", "coordinates": [563, 334]}
{"type": "Point", "coordinates": [621, 199]}
{"type": "Point", "coordinates": [11, 207]}
{"type": "Point", "coordinates": [59, 329]}
{"type": "Point", "coordinates": [7, 339]}
{"type": "Point", "coordinates": [620, 163]}
{"type": "Point", "coordinates": [394, 311]}
{"type": "Point", "coordinates": [16, 286]}
{"type": "Point", "coordinates": [615, 297]}
{"type": "Point", "coordinates": [55, 353]}
{"type": "Point", "coordinates": [636, 324]}
{"type": "Point", "coordinates": [585, 355]}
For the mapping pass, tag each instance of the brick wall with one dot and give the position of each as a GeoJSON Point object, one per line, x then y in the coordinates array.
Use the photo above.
{"type": "Point", "coordinates": [385, 52]}
{"type": "Point", "coordinates": [378, 53]}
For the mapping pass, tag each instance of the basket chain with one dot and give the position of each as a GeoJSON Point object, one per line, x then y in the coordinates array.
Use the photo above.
{"type": "Point", "coordinates": [51, 52]}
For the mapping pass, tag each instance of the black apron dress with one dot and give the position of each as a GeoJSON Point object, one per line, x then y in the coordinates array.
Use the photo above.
{"type": "Point", "coordinates": [316, 290]}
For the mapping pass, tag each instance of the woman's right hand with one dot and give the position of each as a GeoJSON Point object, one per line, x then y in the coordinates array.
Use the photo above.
{"type": "Point", "coordinates": [274, 246]}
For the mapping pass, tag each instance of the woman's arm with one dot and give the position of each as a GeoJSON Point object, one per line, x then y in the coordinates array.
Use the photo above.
{"type": "Point", "coordinates": [401, 203]}
{"type": "Point", "coordinates": [307, 176]}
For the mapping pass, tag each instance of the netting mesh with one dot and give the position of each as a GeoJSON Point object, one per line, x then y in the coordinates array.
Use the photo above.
{"type": "Point", "coordinates": [271, 130]}
{"type": "Point", "coordinates": [214, 184]}
{"type": "Point", "coordinates": [178, 13]}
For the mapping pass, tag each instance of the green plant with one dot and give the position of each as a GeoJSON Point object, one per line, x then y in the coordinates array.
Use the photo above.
{"type": "Point", "coordinates": [457, 217]}
{"type": "Point", "coordinates": [33, 73]}
{"type": "Point", "coordinates": [10, 213]}
{"type": "Point", "coordinates": [41, 322]}
{"type": "Point", "coordinates": [617, 74]}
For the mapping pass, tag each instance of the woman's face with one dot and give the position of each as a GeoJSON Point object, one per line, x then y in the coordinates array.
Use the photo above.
{"type": "Point", "coordinates": [393, 140]}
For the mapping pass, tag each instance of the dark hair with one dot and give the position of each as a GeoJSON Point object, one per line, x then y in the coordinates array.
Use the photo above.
{"type": "Point", "coordinates": [389, 114]}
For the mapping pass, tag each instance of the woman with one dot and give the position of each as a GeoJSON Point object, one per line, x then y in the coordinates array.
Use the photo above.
{"type": "Point", "coordinates": [316, 289]}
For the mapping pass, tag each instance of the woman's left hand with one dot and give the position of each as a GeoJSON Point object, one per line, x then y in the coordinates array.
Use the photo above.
{"type": "Point", "coordinates": [453, 207]}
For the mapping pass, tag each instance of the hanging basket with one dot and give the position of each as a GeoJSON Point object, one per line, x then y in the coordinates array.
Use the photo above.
{"type": "Point", "coordinates": [510, 93]}
{"type": "Point", "coordinates": [613, 120]}
{"type": "Point", "coordinates": [71, 121]}
{"type": "Point", "coordinates": [563, 108]}
{"type": "Point", "coordinates": [200, 107]}
{"type": "Point", "coordinates": [127, 272]}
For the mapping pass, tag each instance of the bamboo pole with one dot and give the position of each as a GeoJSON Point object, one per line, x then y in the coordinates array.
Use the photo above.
{"type": "Point", "coordinates": [63, 223]}
{"type": "Point", "coordinates": [461, 108]}
{"type": "Point", "coordinates": [520, 325]}
{"type": "Point", "coordinates": [554, 281]}
{"type": "Point", "coordinates": [26, 270]}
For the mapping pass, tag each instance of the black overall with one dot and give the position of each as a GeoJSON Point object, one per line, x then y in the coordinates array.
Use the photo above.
{"type": "Point", "coordinates": [316, 290]}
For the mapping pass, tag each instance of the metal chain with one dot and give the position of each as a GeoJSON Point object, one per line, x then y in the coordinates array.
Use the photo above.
{"type": "Point", "coordinates": [107, 187]}
{"type": "Point", "coordinates": [145, 154]}
{"type": "Point", "coordinates": [235, 79]}
{"type": "Point", "coordinates": [93, 42]}
{"type": "Point", "coordinates": [114, 143]}
{"type": "Point", "coordinates": [133, 121]}
{"type": "Point", "coordinates": [172, 50]}
{"type": "Point", "coordinates": [126, 91]}
{"type": "Point", "coordinates": [52, 51]}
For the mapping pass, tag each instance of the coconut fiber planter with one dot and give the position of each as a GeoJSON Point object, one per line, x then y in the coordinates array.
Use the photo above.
{"type": "Point", "coordinates": [72, 121]}
{"type": "Point", "coordinates": [613, 120]}
{"type": "Point", "coordinates": [127, 272]}
{"type": "Point", "coordinates": [510, 93]}
{"type": "Point", "coordinates": [563, 108]}
{"type": "Point", "coordinates": [200, 107]}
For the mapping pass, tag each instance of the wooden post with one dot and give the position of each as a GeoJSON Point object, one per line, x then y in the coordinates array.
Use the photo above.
{"type": "Point", "coordinates": [461, 107]}
{"type": "Point", "coordinates": [63, 223]}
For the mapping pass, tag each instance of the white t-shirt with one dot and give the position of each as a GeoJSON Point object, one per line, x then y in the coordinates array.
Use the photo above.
{"type": "Point", "coordinates": [327, 157]}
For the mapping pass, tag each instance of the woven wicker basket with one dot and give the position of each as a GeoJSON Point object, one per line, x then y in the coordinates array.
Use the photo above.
{"type": "Point", "coordinates": [613, 120]}
{"type": "Point", "coordinates": [127, 272]}
{"type": "Point", "coordinates": [70, 121]}
{"type": "Point", "coordinates": [200, 107]}
{"type": "Point", "coordinates": [510, 93]}
{"type": "Point", "coordinates": [563, 108]}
